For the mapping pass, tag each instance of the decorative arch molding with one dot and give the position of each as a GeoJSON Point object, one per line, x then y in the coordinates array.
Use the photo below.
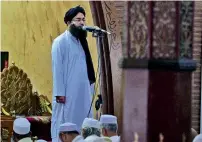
{"type": "Point", "coordinates": [105, 16]}
{"type": "Point", "coordinates": [106, 74]}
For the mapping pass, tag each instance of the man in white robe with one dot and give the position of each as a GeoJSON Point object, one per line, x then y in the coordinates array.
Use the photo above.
{"type": "Point", "coordinates": [109, 127]}
{"type": "Point", "coordinates": [72, 74]}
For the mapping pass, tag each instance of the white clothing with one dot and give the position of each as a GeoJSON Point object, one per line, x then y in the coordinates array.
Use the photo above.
{"type": "Point", "coordinates": [28, 139]}
{"type": "Point", "coordinates": [115, 138]}
{"type": "Point", "coordinates": [78, 139]}
{"type": "Point", "coordinates": [94, 138]}
{"type": "Point", "coordinates": [41, 140]}
{"type": "Point", "coordinates": [198, 138]}
{"type": "Point", "coordinates": [70, 79]}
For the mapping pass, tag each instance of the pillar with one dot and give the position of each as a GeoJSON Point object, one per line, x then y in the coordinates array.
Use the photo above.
{"type": "Point", "coordinates": [158, 65]}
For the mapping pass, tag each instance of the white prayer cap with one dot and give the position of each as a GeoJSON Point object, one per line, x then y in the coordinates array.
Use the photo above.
{"type": "Point", "coordinates": [21, 126]}
{"type": "Point", "coordinates": [67, 127]}
{"type": "Point", "coordinates": [198, 138]}
{"type": "Point", "coordinates": [41, 140]}
{"type": "Point", "coordinates": [108, 119]}
{"type": "Point", "coordinates": [90, 122]}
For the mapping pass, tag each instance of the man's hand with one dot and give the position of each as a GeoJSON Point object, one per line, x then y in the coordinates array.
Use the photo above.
{"type": "Point", "coordinates": [60, 99]}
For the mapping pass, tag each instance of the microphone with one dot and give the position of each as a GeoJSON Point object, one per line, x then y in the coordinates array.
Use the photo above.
{"type": "Point", "coordinates": [92, 29]}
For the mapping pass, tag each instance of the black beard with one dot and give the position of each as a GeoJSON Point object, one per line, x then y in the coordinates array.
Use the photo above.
{"type": "Point", "coordinates": [77, 32]}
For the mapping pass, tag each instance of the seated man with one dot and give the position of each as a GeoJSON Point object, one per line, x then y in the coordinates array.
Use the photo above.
{"type": "Point", "coordinates": [68, 132]}
{"type": "Point", "coordinates": [109, 127]}
{"type": "Point", "coordinates": [21, 130]}
{"type": "Point", "coordinates": [90, 127]}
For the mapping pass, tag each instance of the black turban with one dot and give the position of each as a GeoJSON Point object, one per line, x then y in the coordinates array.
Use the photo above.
{"type": "Point", "coordinates": [71, 13]}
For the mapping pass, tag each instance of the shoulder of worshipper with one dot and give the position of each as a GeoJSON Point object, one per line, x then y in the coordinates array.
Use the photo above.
{"type": "Point", "coordinates": [107, 139]}
{"type": "Point", "coordinates": [94, 138]}
{"type": "Point", "coordinates": [27, 139]}
{"type": "Point", "coordinates": [198, 138]}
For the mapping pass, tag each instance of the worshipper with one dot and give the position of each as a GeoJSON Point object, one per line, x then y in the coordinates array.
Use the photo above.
{"type": "Point", "coordinates": [90, 127]}
{"type": "Point", "coordinates": [109, 127]}
{"type": "Point", "coordinates": [198, 138]}
{"type": "Point", "coordinates": [73, 73]}
{"type": "Point", "coordinates": [68, 132]}
{"type": "Point", "coordinates": [21, 130]}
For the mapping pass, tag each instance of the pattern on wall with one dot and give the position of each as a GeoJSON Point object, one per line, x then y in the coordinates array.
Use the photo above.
{"type": "Point", "coordinates": [186, 25]}
{"type": "Point", "coordinates": [139, 35]}
{"type": "Point", "coordinates": [111, 24]}
{"type": "Point", "coordinates": [164, 30]}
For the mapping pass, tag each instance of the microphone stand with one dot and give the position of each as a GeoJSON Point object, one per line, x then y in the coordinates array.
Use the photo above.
{"type": "Point", "coordinates": [98, 35]}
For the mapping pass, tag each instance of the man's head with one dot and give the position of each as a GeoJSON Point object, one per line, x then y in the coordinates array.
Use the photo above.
{"type": "Point", "coordinates": [67, 132]}
{"type": "Point", "coordinates": [109, 125]}
{"type": "Point", "coordinates": [21, 129]}
{"type": "Point", "coordinates": [90, 127]}
{"type": "Point", "coordinates": [75, 16]}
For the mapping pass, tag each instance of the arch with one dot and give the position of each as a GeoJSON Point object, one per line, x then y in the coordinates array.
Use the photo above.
{"type": "Point", "coordinates": [109, 15]}
{"type": "Point", "coordinates": [106, 74]}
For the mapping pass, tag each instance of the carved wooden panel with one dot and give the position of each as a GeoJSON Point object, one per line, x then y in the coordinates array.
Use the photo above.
{"type": "Point", "coordinates": [139, 32]}
{"type": "Point", "coordinates": [197, 56]}
{"type": "Point", "coordinates": [112, 21]}
{"type": "Point", "coordinates": [164, 29]}
{"type": "Point", "coordinates": [6, 128]}
{"type": "Point", "coordinates": [186, 26]}
{"type": "Point", "coordinates": [112, 24]}
{"type": "Point", "coordinates": [105, 63]}
{"type": "Point", "coordinates": [16, 90]}
{"type": "Point", "coordinates": [17, 97]}
{"type": "Point", "coordinates": [4, 134]}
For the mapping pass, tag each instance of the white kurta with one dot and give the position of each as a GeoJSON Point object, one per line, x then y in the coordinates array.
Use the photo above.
{"type": "Point", "coordinates": [115, 138]}
{"type": "Point", "coordinates": [78, 139]}
{"type": "Point", "coordinates": [70, 79]}
{"type": "Point", "coordinates": [94, 138]}
{"type": "Point", "coordinates": [28, 139]}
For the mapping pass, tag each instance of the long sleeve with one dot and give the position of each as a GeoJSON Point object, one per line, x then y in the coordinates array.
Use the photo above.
{"type": "Point", "coordinates": [58, 69]}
